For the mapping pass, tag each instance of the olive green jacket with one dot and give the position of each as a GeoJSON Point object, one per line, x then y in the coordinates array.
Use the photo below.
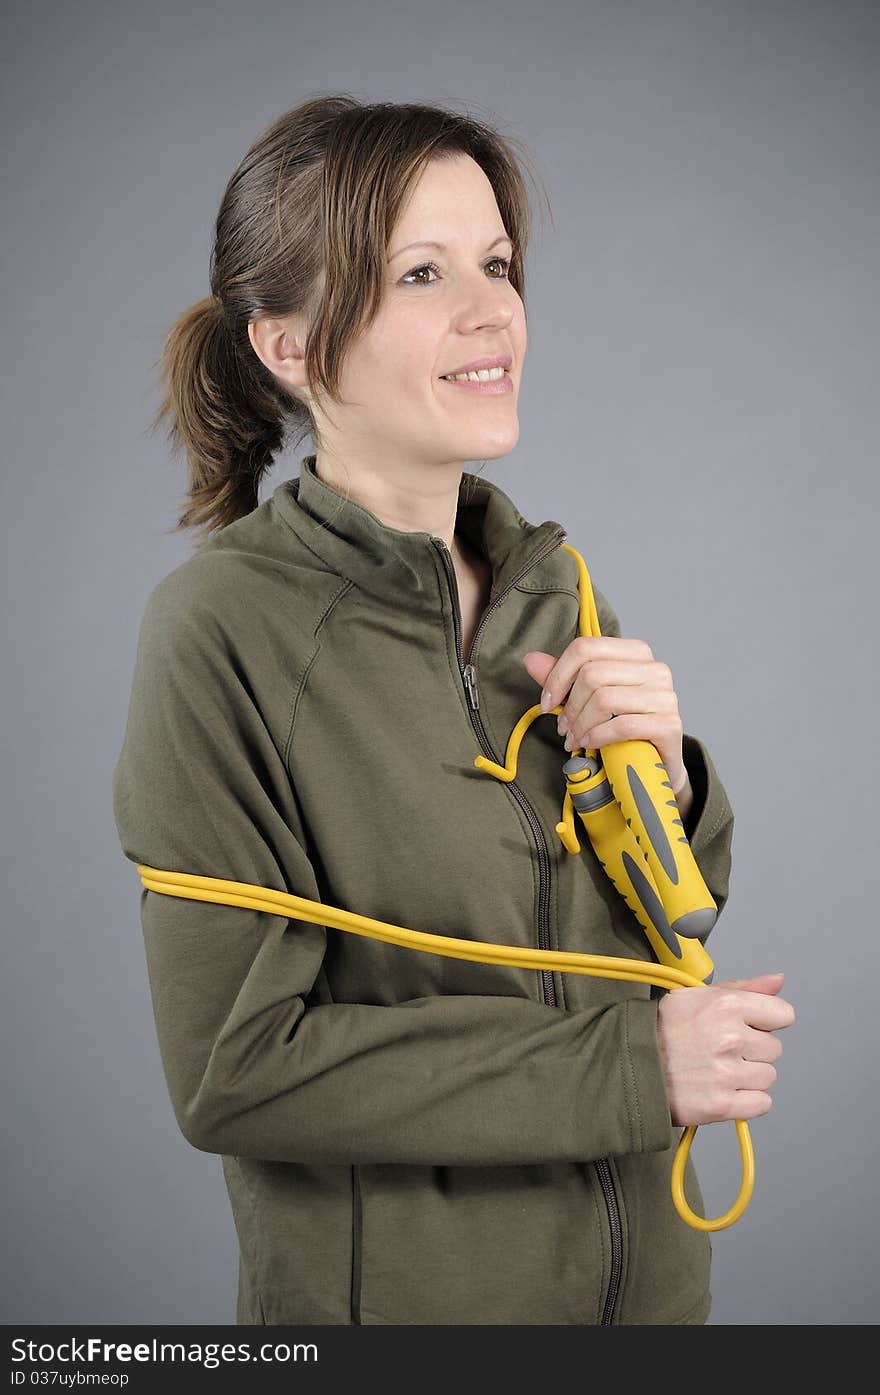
{"type": "Point", "coordinates": [405, 1137]}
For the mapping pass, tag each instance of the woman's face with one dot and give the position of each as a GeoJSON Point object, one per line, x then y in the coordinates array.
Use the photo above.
{"type": "Point", "coordinates": [441, 309]}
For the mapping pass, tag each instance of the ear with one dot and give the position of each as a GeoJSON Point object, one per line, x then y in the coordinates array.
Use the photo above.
{"type": "Point", "coordinates": [278, 342]}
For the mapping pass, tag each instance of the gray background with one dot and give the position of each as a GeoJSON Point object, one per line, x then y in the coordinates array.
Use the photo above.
{"type": "Point", "coordinates": [699, 408]}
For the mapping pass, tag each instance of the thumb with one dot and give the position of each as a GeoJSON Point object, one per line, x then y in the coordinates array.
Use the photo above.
{"type": "Point", "coordinates": [763, 983]}
{"type": "Point", "coordinates": [538, 665]}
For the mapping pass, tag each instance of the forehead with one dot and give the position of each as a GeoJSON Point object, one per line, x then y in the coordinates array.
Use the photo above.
{"type": "Point", "coordinates": [452, 201]}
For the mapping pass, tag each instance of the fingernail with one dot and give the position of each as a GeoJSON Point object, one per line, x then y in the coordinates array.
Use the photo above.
{"type": "Point", "coordinates": [562, 724]}
{"type": "Point", "coordinates": [546, 704]}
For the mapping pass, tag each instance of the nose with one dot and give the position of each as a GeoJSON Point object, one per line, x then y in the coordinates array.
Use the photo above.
{"type": "Point", "coordinates": [483, 303]}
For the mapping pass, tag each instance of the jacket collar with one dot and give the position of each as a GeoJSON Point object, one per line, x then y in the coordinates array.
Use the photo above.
{"type": "Point", "coordinates": [392, 564]}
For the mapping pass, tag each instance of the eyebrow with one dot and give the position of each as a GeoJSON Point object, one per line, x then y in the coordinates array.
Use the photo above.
{"type": "Point", "coordinates": [442, 245]}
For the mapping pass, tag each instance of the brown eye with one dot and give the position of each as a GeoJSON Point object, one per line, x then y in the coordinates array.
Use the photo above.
{"type": "Point", "coordinates": [428, 266]}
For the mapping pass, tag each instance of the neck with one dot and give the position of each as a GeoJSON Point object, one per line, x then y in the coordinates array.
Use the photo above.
{"type": "Point", "coordinates": [404, 497]}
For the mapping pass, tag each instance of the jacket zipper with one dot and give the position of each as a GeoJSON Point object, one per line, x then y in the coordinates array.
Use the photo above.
{"type": "Point", "coordinates": [606, 1181]}
{"type": "Point", "coordinates": [469, 680]}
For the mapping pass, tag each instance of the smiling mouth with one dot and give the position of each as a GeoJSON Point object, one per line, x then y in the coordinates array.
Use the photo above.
{"type": "Point", "coordinates": [466, 378]}
{"type": "Point", "coordinates": [501, 386]}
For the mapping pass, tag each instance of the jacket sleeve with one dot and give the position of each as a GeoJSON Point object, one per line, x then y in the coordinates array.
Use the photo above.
{"type": "Point", "coordinates": [252, 1067]}
{"type": "Point", "coordinates": [709, 823]}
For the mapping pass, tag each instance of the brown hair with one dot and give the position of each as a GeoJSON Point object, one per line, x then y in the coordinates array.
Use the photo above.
{"type": "Point", "coordinates": [304, 226]}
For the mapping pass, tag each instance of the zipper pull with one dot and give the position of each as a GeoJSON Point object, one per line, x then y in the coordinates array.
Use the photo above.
{"type": "Point", "coordinates": [469, 674]}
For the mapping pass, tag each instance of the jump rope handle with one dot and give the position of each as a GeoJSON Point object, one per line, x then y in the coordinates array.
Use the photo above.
{"type": "Point", "coordinates": [624, 800]}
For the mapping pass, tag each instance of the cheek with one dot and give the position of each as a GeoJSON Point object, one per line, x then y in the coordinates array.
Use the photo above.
{"type": "Point", "coordinates": [403, 352]}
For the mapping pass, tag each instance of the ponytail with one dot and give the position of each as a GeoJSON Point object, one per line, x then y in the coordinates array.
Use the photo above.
{"type": "Point", "coordinates": [229, 426]}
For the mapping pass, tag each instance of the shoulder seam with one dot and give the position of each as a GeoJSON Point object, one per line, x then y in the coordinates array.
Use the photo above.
{"type": "Point", "coordinates": [300, 684]}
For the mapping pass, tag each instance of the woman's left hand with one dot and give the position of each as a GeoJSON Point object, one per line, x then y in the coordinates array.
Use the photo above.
{"type": "Point", "coordinates": [613, 689]}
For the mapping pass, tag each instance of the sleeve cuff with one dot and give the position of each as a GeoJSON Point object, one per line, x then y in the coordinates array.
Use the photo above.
{"type": "Point", "coordinates": [644, 1081]}
{"type": "Point", "coordinates": [709, 824]}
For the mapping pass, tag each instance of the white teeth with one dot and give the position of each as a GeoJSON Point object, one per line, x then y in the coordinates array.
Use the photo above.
{"type": "Point", "coordinates": [485, 375]}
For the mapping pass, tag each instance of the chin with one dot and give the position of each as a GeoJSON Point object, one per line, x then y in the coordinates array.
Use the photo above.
{"type": "Point", "coordinates": [490, 445]}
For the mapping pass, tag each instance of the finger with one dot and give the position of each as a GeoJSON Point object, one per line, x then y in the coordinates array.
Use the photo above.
{"type": "Point", "coordinates": [630, 684]}
{"type": "Point", "coordinates": [750, 1104]}
{"type": "Point", "coordinates": [559, 681]}
{"type": "Point", "coordinates": [592, 700]}
{"type": "Point", "coordinates": [761, 1046]}
{"type": "Point", "coordinates": [756, 1075]}
{"type": "Point", "coordinates": [570, 662]}
{"type": "Point", "coordinates": [764, 983]}
{"type": "Point", "coordinates": [663, 730]}
{"type": "Point", "coordinates": [768, 1013]}
{"type": "Point", "coordinates": [538, 665]}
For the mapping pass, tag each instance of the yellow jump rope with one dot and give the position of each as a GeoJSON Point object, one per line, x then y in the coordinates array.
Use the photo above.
{"type": "Point", "coordinates": [624, 799]}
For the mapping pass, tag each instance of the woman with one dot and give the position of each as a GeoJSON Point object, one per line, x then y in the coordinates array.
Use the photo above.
{"type": "Point", "coordinates": [406, 1137]}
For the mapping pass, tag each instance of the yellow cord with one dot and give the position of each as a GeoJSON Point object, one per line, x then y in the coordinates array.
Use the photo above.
{"type": "Point", "coordinates": [262, 898]}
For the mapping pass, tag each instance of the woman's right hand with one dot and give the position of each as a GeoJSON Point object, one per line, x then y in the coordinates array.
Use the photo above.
{"type": "Point", "coordinates": [717, 1047]}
